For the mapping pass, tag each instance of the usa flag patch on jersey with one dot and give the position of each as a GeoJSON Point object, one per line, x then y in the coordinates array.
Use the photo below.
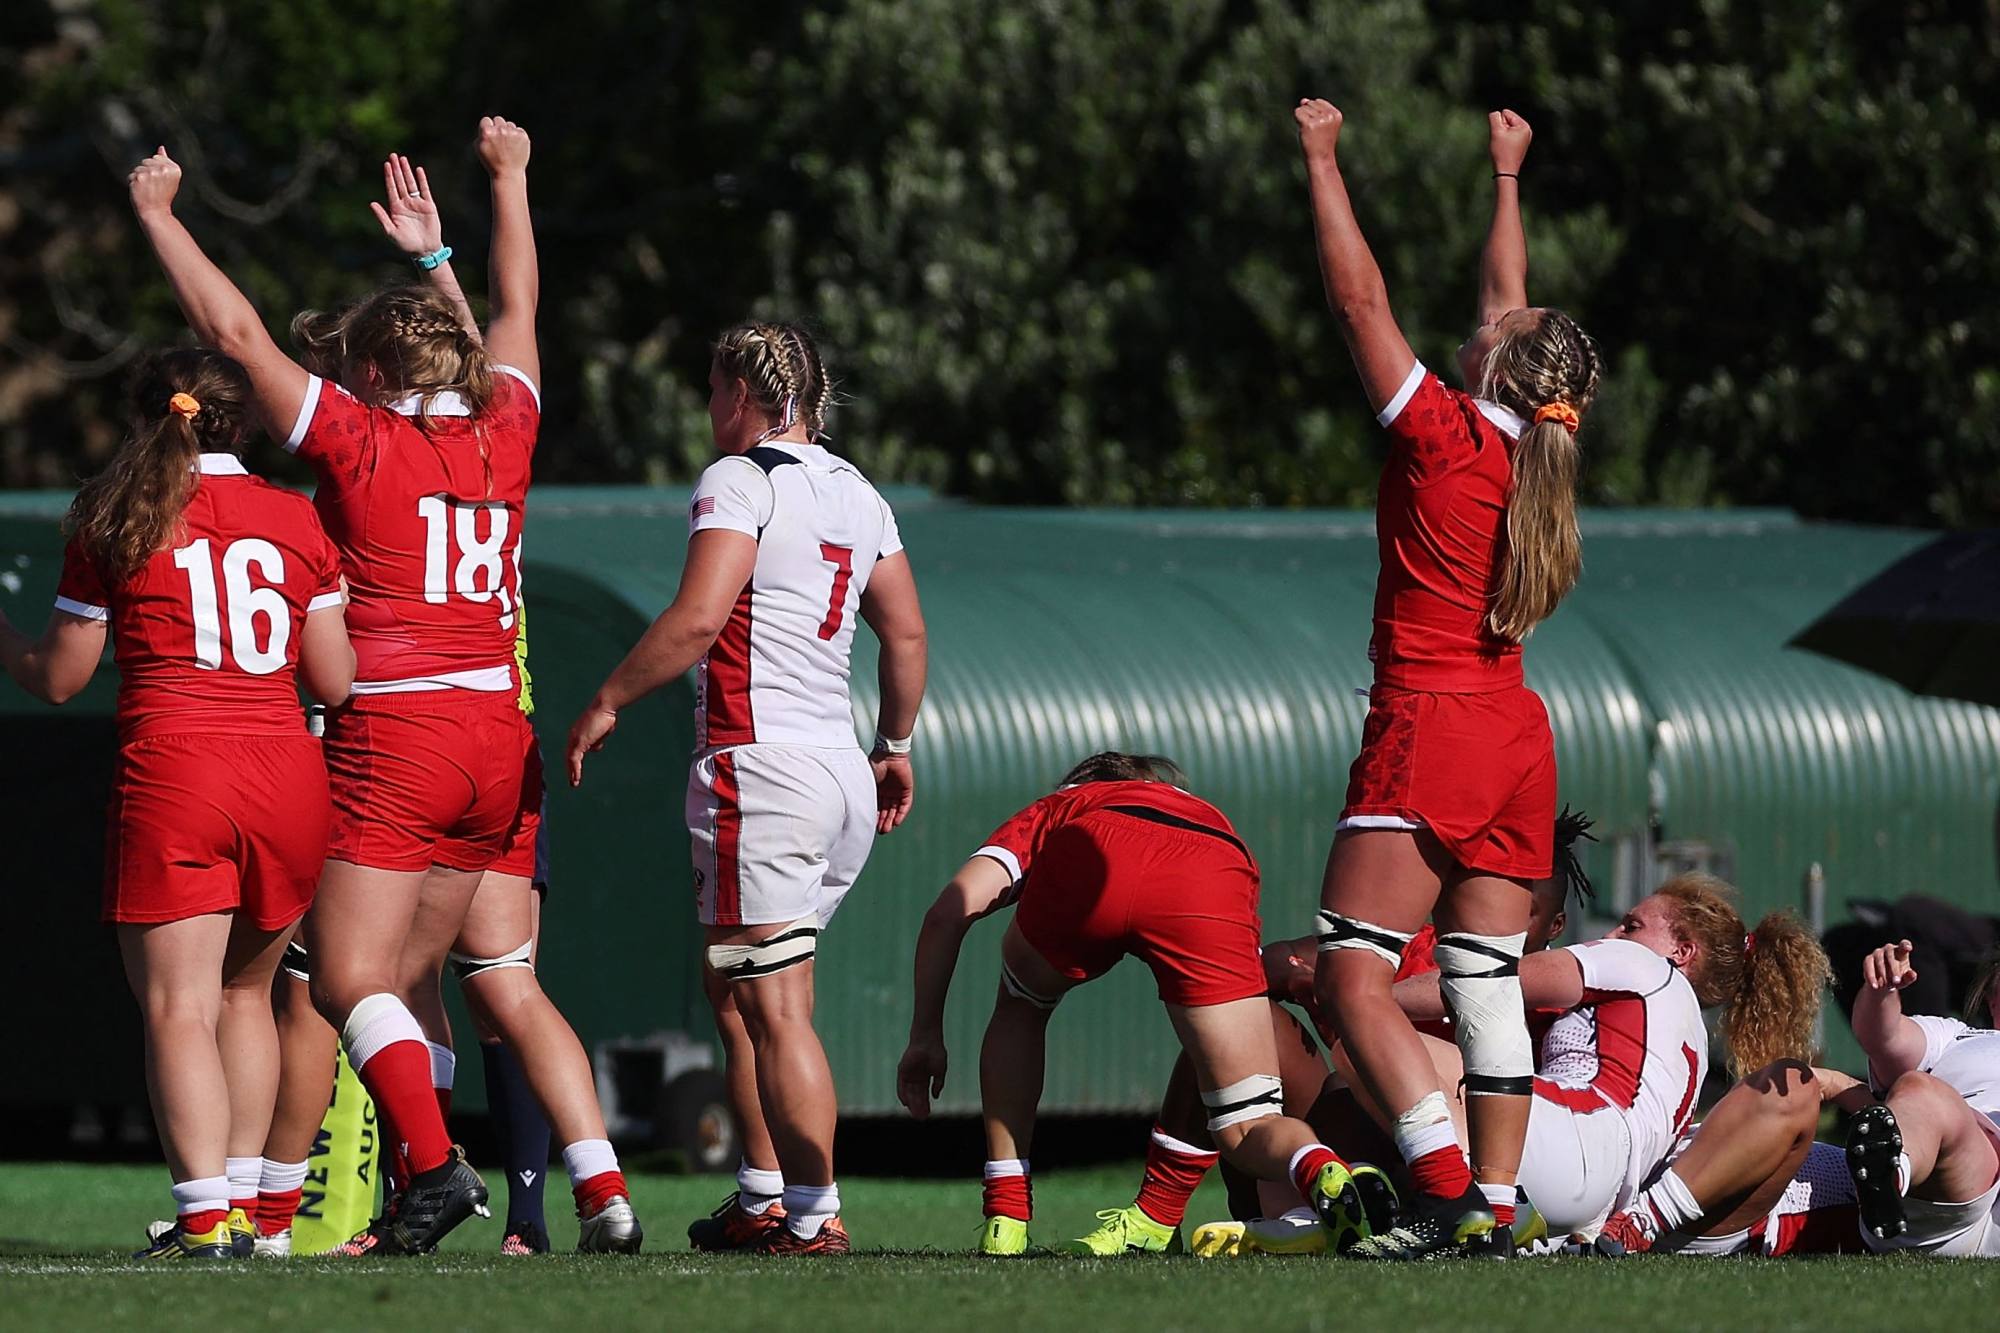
{"type": "Point", "coordinates": [703, 507]}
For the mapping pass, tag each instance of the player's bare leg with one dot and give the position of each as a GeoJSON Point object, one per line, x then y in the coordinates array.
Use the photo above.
{"type": "Point", "coordinates": [364, 922]}
{"type": "Point", "coordinates": [517, 1117]}
{"type": "Point", "coordinates": [757, 1205]}
{"type": "Point", "coordinates": [1012, 1059]}
{"type": "Point", "coordinates": [504, 992]}
{"type": "Point", "coordinates": [795, 1090]}
{"type": "Point", "coordinates": [175, 971]}
{"type": "Point", "coordinates": [1496, 1124]}
{"type": "Point", "coordinates": [306, 1050]}
{"type": "Point", "coordinates": [247, 1037]}
{"type": "Point", "coordinates": [1736, 1168]}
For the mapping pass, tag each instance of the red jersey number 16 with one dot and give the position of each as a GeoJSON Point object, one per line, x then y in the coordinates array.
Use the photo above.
{"type": "Point", "coordinates": [451, 528]}
{"type": "Point", "coordinates": [246, 603]}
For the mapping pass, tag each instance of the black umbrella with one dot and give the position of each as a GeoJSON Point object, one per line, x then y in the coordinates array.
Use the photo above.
{"type": "Point", "coordinates": [1930, 622]}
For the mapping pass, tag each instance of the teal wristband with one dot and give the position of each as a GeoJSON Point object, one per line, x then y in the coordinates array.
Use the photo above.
{"type": "Point", "coordinates": [434, 258]}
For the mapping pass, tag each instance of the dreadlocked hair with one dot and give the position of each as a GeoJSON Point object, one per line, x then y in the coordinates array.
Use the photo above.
{"type": "Point", "coordinates": [1117, 766]}
{"type": "Point", "coordinates": [412, 340]}
{"type": "Point", "coordinates": [782, 367]}
{"type": "Point", "coordinates": [1769, 981]}
{"type": "Point", "coordinates": [1571, 828]}
{"type": "Point", "coordinates": [132, 509]}
{"type": "Point", "coordinates": [1552, 362]}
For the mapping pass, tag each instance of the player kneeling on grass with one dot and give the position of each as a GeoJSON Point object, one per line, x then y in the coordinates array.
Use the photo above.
{"type": "Point", "coordinates": [1120, 860]}
{"type": "Point", "coordinates": [1926, 1160]}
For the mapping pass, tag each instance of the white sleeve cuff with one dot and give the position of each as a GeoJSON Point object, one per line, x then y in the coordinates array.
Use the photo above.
{"type": "Point", "coordinates": [324, 601]}
{"type": "Point", "coordinates": [1007, 859]}
{"type": "Point", "coordinates": [522, 376]}
{"type": "Point", "coordinates": [84, 609]}
{"type": "Point", "coordinates": [313, 386]}
{"type": "Point", "coordinates": [719, 522]}
{"type": "Point", "coordinates": [1403, 395]}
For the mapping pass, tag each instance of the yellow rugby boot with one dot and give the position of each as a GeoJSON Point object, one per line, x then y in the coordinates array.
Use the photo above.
{"type": "Point", "coordinates": [1003, 1235]}
{"type": "Point", "coordinates": [1126, 1230]}
{"type": "Point", "coordinates": [1217, 1240]}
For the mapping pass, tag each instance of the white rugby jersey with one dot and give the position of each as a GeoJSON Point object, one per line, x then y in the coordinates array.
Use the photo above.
{"type": "Point", "coordinates": [778, 672]}
{"type": "Point", "coordinates": [1966, 1057]}
{"type": "Point", "coordinates": [1636, 1044]}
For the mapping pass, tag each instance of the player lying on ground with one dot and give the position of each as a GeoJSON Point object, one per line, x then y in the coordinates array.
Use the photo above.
{"type": "Point", "coordinates": [1619, 1072]}
{"type": "Point", "coordinates": [220, 593]}
{"type": "Point", "coordinates": [1926, 1160]}
{"type": "Point", "coordinates": [787, 544]}
{"type": "Point", "coordinates": [1451, 801]}
{"type": "Point", "coordinates": [1118, 861]}
{"type": "Point", "coordinates": [1181, 1151]}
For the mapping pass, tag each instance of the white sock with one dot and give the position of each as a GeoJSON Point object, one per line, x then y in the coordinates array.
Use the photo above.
{"type": "Point", "coordinates": [1425, 1128]}
{"type": "Point", "coordinates": [1497, 1196]}
{"type": "Point", "coordinates": [209, 1195]}
{"type": "Point", "coordinates": [757, 1190]}
{"type": "Point", "coordinates": [278, 1177]}
{"type": "Point", "coordinates": [1671, 1201]}
{"type": "Point", "coordinates": [1006, 1166]}
{"type": "Point", "coordinates": [244, 1173]}
{"type": "Point", "coordinates": [444, 1065]}
{"type": "Point", "coordinates": [588, 1157]}
{"type": "Point", "coordinates": [810, 1207]}
{"type": "Point", "coordinates": [1903, 1173]}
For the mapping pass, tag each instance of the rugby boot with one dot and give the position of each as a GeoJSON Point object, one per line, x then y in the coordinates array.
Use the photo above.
{"type": "Point", "coordinates": [832, 1239]}
{"type": "Point", "coordinates": [612, 1229]}
{"type": "Point", "coordinates": [1436, 1228]}
{"type": "Point", "coordinates": [1217, 1240]}
{"type": "Point", "coordinates": [730, 1228]}
{"type": "Point", "coordinates": [1380, 1203]}
{"type": "Point", "coordinates": [1874, 1143]}
{"type": "Point", "coordinates": [1632, 1233]}
{"type": "Point", "coordinates": [1295, 1232]}
{"type": "Point", "coordinates": [1126, 1230]}
{"type": "Point", "coordinates": [1336, 1197]}
{"type": "Point", "coordinates": [275, 1246]}
{"type": "Point", "coordinates": [1003, 1235]}
{"type": "Point", "coordinates": [414, 1221]}
{"type": "Point", "coordinates": [1531, 1229]}
{"type": "Point", "coordinates": [244, 1232]}
{"type": "Point", "coordinates": [170, 1240]}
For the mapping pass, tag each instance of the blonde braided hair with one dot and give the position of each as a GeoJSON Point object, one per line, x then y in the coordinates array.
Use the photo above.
{"type": "Point", "coordinates": [410, 337]}
{"type": "Point", "coordinates": [1551, 364]}
{"type": "Point", "coordinates": [782, 368]}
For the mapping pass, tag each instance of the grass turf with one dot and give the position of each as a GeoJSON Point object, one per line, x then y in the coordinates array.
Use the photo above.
{"type": "Point", "coordinates": [66, 1229]}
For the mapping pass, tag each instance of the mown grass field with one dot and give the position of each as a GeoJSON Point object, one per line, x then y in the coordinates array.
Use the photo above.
{"type": "Point", "coordinates": [64, 1231]}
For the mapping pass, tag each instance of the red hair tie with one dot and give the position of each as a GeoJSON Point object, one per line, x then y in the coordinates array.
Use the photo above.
{"type": "Point", "coordinates": [1750, 942]}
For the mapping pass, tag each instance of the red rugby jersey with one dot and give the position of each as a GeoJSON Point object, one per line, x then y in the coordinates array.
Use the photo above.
{"type": "Point", "coordinates": [429, 529]}
{"type": "Point", "coordinates": [206, 633]}
{"type": "Point", "coordinates": [1441, 527]}
{"type": "Point", "coordinates": [1015, 843]}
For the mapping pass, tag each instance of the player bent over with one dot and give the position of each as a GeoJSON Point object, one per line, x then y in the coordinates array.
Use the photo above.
{"type": "Point", "coordinates": [1120, 860]}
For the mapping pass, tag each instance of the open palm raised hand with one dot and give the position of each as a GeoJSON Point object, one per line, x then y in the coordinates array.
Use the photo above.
{"type": "Point", "coordinates": [410, 219]}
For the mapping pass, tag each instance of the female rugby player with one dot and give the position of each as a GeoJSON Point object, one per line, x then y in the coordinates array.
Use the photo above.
{"type": "Point", "coordinates": [1119, 860]}
{"type": "Point", "coordinates": [788, 542]}
{"type": "Point", "coordinates": [220, 592]}
{"type": "Point", "coordinates": [1452, 798]}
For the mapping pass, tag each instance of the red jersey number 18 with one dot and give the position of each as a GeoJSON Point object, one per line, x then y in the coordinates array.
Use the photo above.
{"type": "Point", "coordinates": [246, 603]}
{"type": "Point", "coordinates": [476, 573]}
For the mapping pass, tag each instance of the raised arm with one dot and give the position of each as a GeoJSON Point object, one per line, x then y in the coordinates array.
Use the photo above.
{"type": "Point", "coordinates": [56, 666]}
{"type": "Point", "coordinates": [719, 563]}
{"type": "Point", "coordinates": [1354, 287]}
{"type": "Point", "coordinates": [889, 604]}
{"type": "Point", "coordinates": [514, 281]}
{"type": "Point", "coordinates": [1893, 1043]}
{"type": "Point", "coordinates": [978, 889]}
{"type": "Point", "coordinates": [409, 217]}
{"type": "Point", "coordinates": [218, 312]}
{"type": "Point", "coordinates": [1503, 265]}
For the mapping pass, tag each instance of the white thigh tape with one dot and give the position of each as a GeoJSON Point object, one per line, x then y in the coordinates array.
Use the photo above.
{"type": "Point", "coordinates": [1250, 1098]}
{"type": "Point", "coordinates": [297, 962]}
{"type": "Point", "coordinates": [1344, 932]}
{"type": "Point", "coordinates": [465, 967]}
{"type": "Point", "coordinates": [1480, 976]}
{"type": "Point", "coordinates": [794, 944]}
{"type": "Point", "coordinates": [1020, 991]}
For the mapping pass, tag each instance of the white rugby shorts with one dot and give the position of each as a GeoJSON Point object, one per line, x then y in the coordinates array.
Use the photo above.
{"type": "Point", "coordinates": [1575, 1163]}
{"type": "Point", "coordinates": [779, 832]}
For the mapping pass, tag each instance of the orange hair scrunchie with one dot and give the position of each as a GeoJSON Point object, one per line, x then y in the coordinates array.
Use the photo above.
{"type": "Point", "coordinates": [184, 404]}
{"type": "Point", "coordinates": [1562, 412]}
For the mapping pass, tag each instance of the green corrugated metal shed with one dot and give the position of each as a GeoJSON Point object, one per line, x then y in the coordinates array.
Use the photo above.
{"type": "Point", "coordinates": [1235, 642]}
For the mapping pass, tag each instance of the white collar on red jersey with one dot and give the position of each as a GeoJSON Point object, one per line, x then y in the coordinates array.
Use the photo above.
{"type": "Point", "coordinates": [444, 403]}
{"type": "Point", "coordinates": [221, 465]}
{"type": "Point", "coordinates": [1505, 419]}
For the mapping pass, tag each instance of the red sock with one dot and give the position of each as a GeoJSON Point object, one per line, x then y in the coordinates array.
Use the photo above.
{"type": "Point", "coordinates": [398, 1077]}
{"type": "Point", "coordinates": [274, 1211]}
{"type": "Point", "coordinates": [1307, 1165]}
{"type": "Point", "coordinates": [1011, 1195]}
{"type": "Point", "coordinates": [1442, 1172]}
{"type": "Point", "coordinates": [444, 1103]}
{"type": "Point", "coordinates": [594, 1193]}
{"type": "Point", "coordinates": [197, 1224]}
{"type": "Point", "coordinates": [1500, 1200]}
{"type": "Point", "coordinates": [1174, 1171]}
